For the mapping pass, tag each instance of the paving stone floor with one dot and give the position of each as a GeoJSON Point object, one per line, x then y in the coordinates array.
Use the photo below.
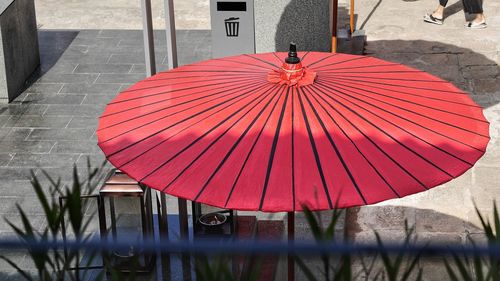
{"type": "Point", "coordinates": [52, 124]}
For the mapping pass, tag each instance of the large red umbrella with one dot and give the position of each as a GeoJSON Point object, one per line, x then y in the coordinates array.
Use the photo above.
{"type": "Point", "coordinates": [245, 133]}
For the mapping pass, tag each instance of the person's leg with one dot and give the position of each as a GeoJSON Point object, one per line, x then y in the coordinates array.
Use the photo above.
{"type": "Point", "coordinates": [437, 16]}
{"type": "Point", "coordinates": [474, 7]}
{"type": "Point", "coordinates": [438, 13]}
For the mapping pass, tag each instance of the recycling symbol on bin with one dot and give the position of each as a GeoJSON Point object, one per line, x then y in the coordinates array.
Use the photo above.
{"type": "Point", "coordinates": [232, 26]}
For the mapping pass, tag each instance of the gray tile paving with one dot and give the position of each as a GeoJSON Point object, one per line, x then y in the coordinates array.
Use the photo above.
{"type": "Point", "coordinates": [37, 121]}
{"type": "Point", "coordinates": [94, 88]}
{"type": "Point", "coordinates": [51, 126]}
{"type": "Point", "coordinates": [60, 134]}
{"type": "Point", "coordinates": [16, 134]}
{"type": "Point", "coordinates": [44, 98]}
{"type": "Point", "coordinates": [103, 68]}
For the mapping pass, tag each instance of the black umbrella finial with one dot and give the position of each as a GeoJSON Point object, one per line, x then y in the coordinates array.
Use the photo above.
{"type": "Point", "coordinates": [292, 54]}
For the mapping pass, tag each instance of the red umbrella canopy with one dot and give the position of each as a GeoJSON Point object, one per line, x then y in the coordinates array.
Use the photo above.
{"type": "Point", "coordinates": [340, 131]}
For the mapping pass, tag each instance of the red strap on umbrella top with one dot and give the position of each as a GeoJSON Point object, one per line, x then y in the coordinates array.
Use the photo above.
{"type": "Point", "coordinates": [292, 73]}
{"type": "Point", "coordinates": [220, 133]}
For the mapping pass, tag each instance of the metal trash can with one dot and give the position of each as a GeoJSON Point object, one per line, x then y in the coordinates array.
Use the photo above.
{"type": "Point", "coordinates": [232, 27]}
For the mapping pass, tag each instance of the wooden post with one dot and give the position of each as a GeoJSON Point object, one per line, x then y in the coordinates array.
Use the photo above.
{"type": "Point", "coordinates": [335, 5]}
{"type": "Point", "coordinates": [351, 16]}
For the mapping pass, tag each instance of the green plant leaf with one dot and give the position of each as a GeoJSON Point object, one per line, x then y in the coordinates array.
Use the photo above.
{"type": "Point", "coordinates": [307, 272]}
{"type": "Point", "coordinates": [17, 268]}
{"type": "Point", "coordinates": [313, 223]}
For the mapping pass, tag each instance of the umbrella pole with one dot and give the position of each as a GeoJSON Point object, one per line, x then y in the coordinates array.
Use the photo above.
{"type": "Point", "coordinates": [291, 237]}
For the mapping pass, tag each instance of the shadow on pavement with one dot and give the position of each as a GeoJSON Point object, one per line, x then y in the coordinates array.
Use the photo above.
{"type": "Point", "coordinates": [472, 72]}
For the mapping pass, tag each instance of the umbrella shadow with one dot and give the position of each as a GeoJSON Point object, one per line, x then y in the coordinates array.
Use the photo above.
{"type": "Point", "coordinates": [430, 226]}
{"type": "Point", "coordinates": [470, 71]}
{"type": "Point", "coordinates": [52, 44]}
{"type": "Point", "coordinates": [303, 22]}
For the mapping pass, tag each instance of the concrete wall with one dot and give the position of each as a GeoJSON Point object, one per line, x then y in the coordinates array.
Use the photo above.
{"type": "Point", "coordinates": [305, 22]}
{"type": "Point", "coordinates": [19, 55]}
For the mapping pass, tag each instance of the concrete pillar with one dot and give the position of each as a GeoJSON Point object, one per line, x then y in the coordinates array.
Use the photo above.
{"type": "Point", "coordinates": [19, 55]}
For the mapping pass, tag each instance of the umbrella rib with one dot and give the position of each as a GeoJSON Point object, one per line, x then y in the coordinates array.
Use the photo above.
{"type": "Point", "coordinates": [385, 71]}
{"type": "Point", "coordinates": [261, 60]}
{"type": "Point", "coordinates": [243, 63]}
{"type": "Point", "coordinates": [322, 59]}
{"type": "Point", "coordinates": [419, 125]}
{"type": "Point", "coordinates": [178, 90]}
{"type": "Point", "coordinates": [367, 66]}
{"type": "Point", "coordinates": [169, 115]}
{"type": "Point", "coordinates": [346, 87]}
{"type": "Point", "coordinates": [205, 134]}
{"type": "Point", "coordinates": [228, 154]}
{"type": "Point", "coordinates": [398, 85]}
{"type": "Point", "coordinates": [420, 114]}
{"type": "Point", "coordinates": [387, 78]}
{"type": "Point", "coordinates": [311, 90]}
{"type": "Point", "coordinates": [334, 146]}
{"type": "Point", "coordinates": [187, 118]}
{"type": "Point", "coordinates": [404, 93]}
{"type": "Point", "coordinates": [340, 62]}
{"type": "Point", "coordinates": [371, 141]}
{"type": "Point", "coordinates": [168, 100]}
{"type": "Point", "coordinates": [206, 70]}
{"type": "Point", "coordinates": [385, 133]}
{"type": "Point", "coordinates": [213, 142]}
{"type": "Point", "coordinates": [273, 149]}
{"type": "Point", "coordinates": [167, 139]}
{"type": "Point", "coordinates": [254, 144]}
{"type": "Point", "coordinates": [401, 128]}
{"type": "Point", "coordinates": [173, 78]}
{"type": "Point", "coordinates": [304, 56]}
{"type": "Point", "coordinates": [276, 56]}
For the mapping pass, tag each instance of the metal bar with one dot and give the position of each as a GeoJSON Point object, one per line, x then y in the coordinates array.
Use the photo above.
{"type": "Point", "coordinates": [351, 16]}
{"type": "Point", "coordinates": [113, 217]}
{"type": "Point", "coordinates": [147, 30]}
{"type": "Point", "coordinates": [164, 216]}
{"type": "Point", "coordinates": [170, 30]}
{"type": "Point", "coordinates": [184, 235]}
{"type": "Point", "coordinates": [291, 238]}
{"type": "Point", "coordinates": [183, 219]}
{"type": "Point", "coordinates": [236, 247]}
{"type": "Point", "coordinates": [335, 4]}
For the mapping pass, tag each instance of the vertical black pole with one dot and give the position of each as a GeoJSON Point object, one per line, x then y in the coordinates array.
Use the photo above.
{"type": "Point", "coordinates": [291, 237]}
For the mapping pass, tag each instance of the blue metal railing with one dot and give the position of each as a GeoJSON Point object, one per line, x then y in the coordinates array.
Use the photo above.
{"type": "Point", "coordinates": [209, 246]}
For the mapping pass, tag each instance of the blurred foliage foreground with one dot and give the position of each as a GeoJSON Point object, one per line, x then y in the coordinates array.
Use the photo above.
{"type": "Point", "coordinates": [322, 259]}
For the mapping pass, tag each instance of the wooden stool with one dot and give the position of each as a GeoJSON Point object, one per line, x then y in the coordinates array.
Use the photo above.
{"type": "Point", "coordinates": [119, 185]}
